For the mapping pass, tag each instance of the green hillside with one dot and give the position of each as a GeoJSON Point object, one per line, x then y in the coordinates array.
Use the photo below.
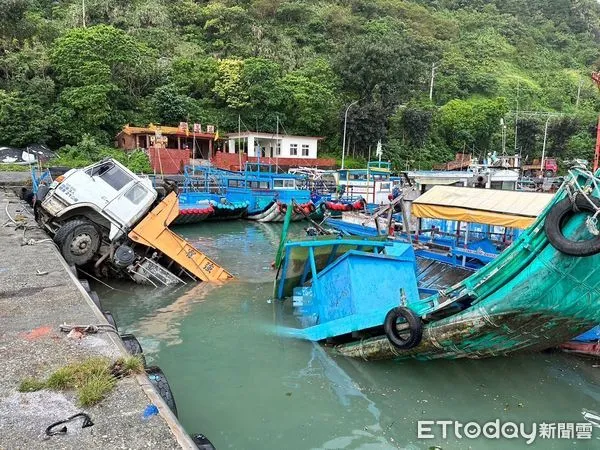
{"type": "Point", "coordinates": [67, 73]}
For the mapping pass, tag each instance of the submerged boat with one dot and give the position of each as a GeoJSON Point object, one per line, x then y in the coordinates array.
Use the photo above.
{"type": "Point", "coordinates": [375, 299]}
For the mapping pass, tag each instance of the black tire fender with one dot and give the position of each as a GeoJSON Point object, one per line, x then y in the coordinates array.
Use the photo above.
{"type": "Point", "coordinates": [160, 383]}
{"type": "Point", "coordinates": [133, 346]}
{"type": "Point", "coordinates": [202, 442]}
{"type": "Point", "coordinates": [414, 323]}
{"type": "Point", "coordinates": [558, 216]}
{"type": "Point", "coordinates": [85, 284]}
{"type": "Point", "coordinates": [96, 300]}
{"type": "Point", "coordinates": [110, 319]}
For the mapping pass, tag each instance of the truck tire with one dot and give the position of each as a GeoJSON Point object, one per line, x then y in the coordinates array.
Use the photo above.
{"type": "Point", "coordinates": [78, 241]}
{"type": "Point", "coordinates": [160, 383]}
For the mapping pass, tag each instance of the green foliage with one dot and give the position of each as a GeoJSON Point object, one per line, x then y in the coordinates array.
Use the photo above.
{"type": "Point", "coordinates": [299, 64]}
{"type": "Point", "coordinates": [31, 385]}
{"type": "Point", "coordinates": [88, 151]}
{"type": "Point", "coordinates": [92, 378]}
{"type": "Point", "coordinates": [95, 388]}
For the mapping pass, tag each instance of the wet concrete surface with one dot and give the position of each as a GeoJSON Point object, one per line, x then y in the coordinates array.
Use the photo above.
{"type": "Point", "coordinates": [37, 294]}
{"type": "Point", "coordinates": [13, 179]}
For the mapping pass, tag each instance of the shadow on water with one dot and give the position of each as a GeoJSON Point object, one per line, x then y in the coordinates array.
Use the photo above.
{"type": "Point", "coordinates": [248, 388]}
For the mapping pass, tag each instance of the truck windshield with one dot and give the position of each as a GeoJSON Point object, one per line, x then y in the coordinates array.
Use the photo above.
{"type": "Point", "coordinates": [111, 174]}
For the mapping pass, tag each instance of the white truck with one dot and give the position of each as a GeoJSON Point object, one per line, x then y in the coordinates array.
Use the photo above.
{"type": "Point", "coordinates": [102, 217]}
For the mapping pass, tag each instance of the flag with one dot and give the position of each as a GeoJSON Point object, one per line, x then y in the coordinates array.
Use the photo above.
{"type": "Point", "coordinates": [217, 134]}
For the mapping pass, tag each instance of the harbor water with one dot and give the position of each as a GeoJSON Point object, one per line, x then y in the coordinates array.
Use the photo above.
{"type": "Point", "coordinates": [239, 383]}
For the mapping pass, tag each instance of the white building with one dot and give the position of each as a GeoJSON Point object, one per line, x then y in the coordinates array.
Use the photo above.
{"type": "Point", "coordinates": [273, 145]}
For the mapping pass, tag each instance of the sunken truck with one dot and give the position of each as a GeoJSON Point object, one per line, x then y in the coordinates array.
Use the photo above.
{"type": "Point", "coordinates": [106, 219]}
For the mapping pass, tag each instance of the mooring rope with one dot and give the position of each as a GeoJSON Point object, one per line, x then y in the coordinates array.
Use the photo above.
{"type": "Point", "coordinates": [592, 221]}
{"type": "Point", "coordinates": [90, 329]}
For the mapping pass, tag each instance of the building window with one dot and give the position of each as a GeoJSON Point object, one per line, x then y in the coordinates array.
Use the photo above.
{"type": "Point", "coordinates": [278, 149]}
{"type": "Point", "coordinates": [293, 149]}
{"type": "Point", "coordinates": [305, 149]}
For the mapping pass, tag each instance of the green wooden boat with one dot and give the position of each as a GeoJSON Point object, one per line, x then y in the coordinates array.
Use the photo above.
{"type": "Point", "coordinates": [539, 293]}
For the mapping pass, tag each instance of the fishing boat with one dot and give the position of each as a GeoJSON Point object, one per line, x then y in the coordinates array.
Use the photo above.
{"type": "Point", "coordinates": [376, 299]}
{"type": "Point", "coordinates": [373, 183]}
{"type": "Point", "coordinates": [587, 344]}
{"type": "Point", "coordinates": [269, 193]}
{"type": "Point", "coordinates": [259, 192]}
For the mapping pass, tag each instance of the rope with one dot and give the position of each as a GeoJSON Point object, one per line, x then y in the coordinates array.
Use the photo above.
{"type": "Point", "coordinates": [592, 221]}
{"type": "Point", "coordinates": [90, 329]}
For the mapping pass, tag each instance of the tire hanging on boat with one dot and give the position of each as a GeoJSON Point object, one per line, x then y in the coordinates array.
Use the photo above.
{"type": "Point", "coordinates": [558, 216]}
{"type": "Point", "coordinates": [415, 328]}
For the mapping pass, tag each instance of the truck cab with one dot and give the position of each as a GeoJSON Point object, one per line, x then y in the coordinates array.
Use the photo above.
{"type": "Point", "coordinates": [107, 191]}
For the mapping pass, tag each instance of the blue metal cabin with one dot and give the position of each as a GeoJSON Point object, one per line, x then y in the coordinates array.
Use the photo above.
{"type": "Point", "coordinates": [352, 292]}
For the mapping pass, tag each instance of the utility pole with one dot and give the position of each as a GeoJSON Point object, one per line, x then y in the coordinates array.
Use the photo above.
{"type": "Point", "coordinates": [578, 92]}
{"type": "Point", "coordinates": [517, 115]}
{"type": "Point", "coordinates": [433, 67]}
{"type": "Point", "coordinates": [344, 137]}
{"type": "Point", "coordinates": [544, 145]}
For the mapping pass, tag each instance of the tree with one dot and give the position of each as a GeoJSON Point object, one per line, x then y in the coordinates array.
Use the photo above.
{"type": "Point", "coordinates": [101, 72]}
{"type": "Point", "coordinates": [472, 122]}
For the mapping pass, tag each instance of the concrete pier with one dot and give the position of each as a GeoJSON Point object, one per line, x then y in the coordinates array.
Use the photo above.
{"type": "Point", "coordinates": [38, 293]}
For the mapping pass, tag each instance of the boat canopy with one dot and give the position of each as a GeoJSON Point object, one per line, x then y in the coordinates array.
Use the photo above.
{"type": "Point", "coordinates": [514, 209]}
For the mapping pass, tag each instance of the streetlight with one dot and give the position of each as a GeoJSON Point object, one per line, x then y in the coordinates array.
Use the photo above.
{"type": "Point", "coordinates": [344, 138]}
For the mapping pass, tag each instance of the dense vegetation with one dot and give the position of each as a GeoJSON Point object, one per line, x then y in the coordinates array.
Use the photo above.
{"type": "Point", "coordinates": [69, 75]}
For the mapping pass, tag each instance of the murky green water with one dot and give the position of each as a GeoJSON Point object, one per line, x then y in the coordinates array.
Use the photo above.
{"type": "Point", "coordinates": [244, 387]}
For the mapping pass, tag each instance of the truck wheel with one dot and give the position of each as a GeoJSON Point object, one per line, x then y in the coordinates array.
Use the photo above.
{"type": "Point", "coordinates": [78, 241]}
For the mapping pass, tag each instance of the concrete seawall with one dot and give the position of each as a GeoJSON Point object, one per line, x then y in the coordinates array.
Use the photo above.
{"type": "Point", "coordinates": [38, 293]}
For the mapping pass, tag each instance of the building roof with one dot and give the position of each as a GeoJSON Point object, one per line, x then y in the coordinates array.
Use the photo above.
{"type": "Point", "coordinates": [165, 130]}
{"type": "Point", "coordinates": [257, 134]}
{"type": "Point", "coordinates": [515, 209]}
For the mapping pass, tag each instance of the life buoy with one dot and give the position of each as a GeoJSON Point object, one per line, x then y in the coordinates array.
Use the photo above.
{"type": "Point", "coordinates": [283, 208]}
{"type": "Point", "coordinates": [558, 216]}
{"type": "Point", "coordinates": [415, 328]}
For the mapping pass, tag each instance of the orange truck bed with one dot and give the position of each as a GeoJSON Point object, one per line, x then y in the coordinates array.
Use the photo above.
{"type": "Point", "coordinates": [153, 231]}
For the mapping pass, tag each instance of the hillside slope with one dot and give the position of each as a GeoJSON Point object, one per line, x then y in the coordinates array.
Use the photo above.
{"type": "Point", "coordinates": [164, 61]}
